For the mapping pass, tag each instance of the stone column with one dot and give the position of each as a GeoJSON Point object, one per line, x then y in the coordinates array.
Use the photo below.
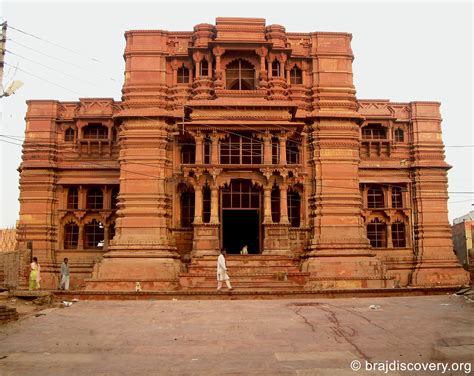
{"type": "Point", "coordinates": [389, 235]}
{"type": "Point", "coordinates": [214, 149]}
{"type": "Point", "coordinates": [214, 204]}
{"type": "Point", "coordinates": [80, 238]}
{"type": "Point", "coordinates": [198, 140]}
{"type": "Point", "coordinates": [282, 140]}
{"type": "Point", "coordinates": [197, 205]}
{"type": "Point", "coordinates": [284, 204]}
{"type": "Point", "coordinates": [267, 149]}
{"type": "Point", "coordinates": [106, 237]}
{"type": "Point", "coordinates": [267, 204]}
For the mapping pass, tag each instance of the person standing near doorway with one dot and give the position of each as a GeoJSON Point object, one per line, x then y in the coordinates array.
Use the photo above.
{"type": "Point", "coordinates": [222, 271]}
{"type": "Point", "coordinates": [35, 276]}
{"type": "Point", "coordinates": [64, 285]}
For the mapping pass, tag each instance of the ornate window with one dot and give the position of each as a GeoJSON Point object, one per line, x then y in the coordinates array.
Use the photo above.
{"type": "Point", "coordinates": [296, 76]}
{"type": "Point", "coordinates": [275, 150]}
{"type": "Point", "coordinates": [375, 198]}
{"type": "Point", "coordinates": [397, 197]}
{"type": "Point", "coordinates": [374, 132]}
{"type": "Point", "coordinates": [207, 150]}
{"type": "Point", "coordinates": [275, 69]}
{"type": "Point", "coordinates": [240, 75]}
{"type": "Point", "coordinates": [206, 204]}
{"type": "Point", "coordinates": [399, 136]}
{"type": "Point", "coordinates": [292, 152]}
{"type": "Point", "coordinates": [275, 204]}
{"type": "Point", "coordinates": [204, 68]}
{"type": "Point", "coordinates": [114, 198]}
{"type": "Point", "coordinates": [376, 232]}
{"type": "Point", "coordinates": [294, 208]}
{"type": "Point", "coordinates": [69, 135]}
{"type": "Point", "coordinates": [95, 132]}
{"type": "Point", "coordinates": [188, 153]}
{"type": "Point", "coordinates": [95, 199]}
{"type": "Point", "coordinates": [183, 75]}
{"type": "Point", "coordinates": [241, 149]}
{"type": "Point", "coordinates": [71, 235]}
{"type": "Point", "coordinates": [187, 208]}
{"type": "Point", "coordinates": [398, 235]}
{"type": "Point", "coordinates": [240, 194]}
{"type": "Point", "coordinates": [94, 234]}
{"type": "Point", "coordinates": [72, 198]}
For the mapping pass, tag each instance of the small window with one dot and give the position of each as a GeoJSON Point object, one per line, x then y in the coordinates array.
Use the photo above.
{"type": "Point", "coordinates": [399, 136]}
{"type": "Point", "coordinates": [292, 152]}
{"type": "Point", "coordinates": [95, 199]}
{"type": "Point", "coordinates": [206, 205]}
{"type": "Point", "coordinates": [183, 75]}
{"type": "Point", "coordinates": [95, 132]}
{"type": "Point", "coordinates": [240, 75]}
{"type": "Point", "coordinates": [397, 197]}
{"type": "Point", "coordinates": [275, 69]}
{"type": "Point", "coordinates": [374, 132]}
{"type": "Point", "coordinates": [275, 204]}
{"type": "Point", "coordinates": [375, 198]}
{"type": "Point", "coordinates": [294, 205]}
{"type": "Point", "coordinates": [207, 150]}
{"type": "Point", "coordinates": [204, 68]}
{"type": "Point", "coordinates": [71, 235]}
{"type": "Point", "coordinates": [187, 208]}
{"type": "Point", "coordinates": [72, 198]}
{"type": "Point", "coordinates": [376, 233]}
{"type": "Point", "coordinates": [398, 235]}
{"type": "Point", "coordinates": [275, 150]}
{"type": "Point", "coordinates": [94, 234]}
{"type": "Point", "coordinates": [69, 135]}
{"type": "Point", "coordinates": [188, 153]}
{"type": "Point", "coordinates": [296, 76]}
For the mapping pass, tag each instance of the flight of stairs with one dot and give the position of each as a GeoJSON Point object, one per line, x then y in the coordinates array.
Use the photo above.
{"type": "Point", "coordinates": [247, 273]}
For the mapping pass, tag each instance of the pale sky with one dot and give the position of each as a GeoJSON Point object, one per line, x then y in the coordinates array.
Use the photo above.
{"type": "Point", "coordinates": [404, 51]}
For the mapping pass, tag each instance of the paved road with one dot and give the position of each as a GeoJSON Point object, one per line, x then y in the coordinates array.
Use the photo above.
{"type": "Point", "coordinates": [271, 337]}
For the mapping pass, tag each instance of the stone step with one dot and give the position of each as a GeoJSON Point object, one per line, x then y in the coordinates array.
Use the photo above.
{"type": "Point", "coordinates": [243, 269]}
{"type": "Point", "coordinates": [248, 260]}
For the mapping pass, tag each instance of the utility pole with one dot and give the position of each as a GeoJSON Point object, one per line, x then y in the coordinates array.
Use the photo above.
{"type": "Point", "coordinates": [2, 52]}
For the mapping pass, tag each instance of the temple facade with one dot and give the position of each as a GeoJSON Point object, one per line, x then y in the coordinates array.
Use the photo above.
{"type": "Point", "coordinates": [231, 135]}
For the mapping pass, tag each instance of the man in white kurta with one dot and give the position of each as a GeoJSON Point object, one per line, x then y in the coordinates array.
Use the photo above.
{"type": "Point", "coordinates": [222, 271]}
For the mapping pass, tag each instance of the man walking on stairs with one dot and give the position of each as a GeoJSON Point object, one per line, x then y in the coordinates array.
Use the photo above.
{"type": "Point", "coordinates": [222, 271]}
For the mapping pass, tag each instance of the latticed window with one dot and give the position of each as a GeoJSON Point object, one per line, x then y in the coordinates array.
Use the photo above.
{"type": "Point", "coordinates": [275, 69]}
{"type": "Point", "coordinates": [188, 153]}
{"type": "Point", "coordinates": [95, 132]}
{"type": "Point", "coordinates": [114, 198]}
{"type": "Point", "coordinates": [94, 234]}
{"type": "Point", "coordinates": [398, 235]}
{"type": "Point", "coordinates": [183, 75]}
{"type": "Point", "coordinates": [187, 208]}
{"type": "Point", "coordinates": [72, 198]}
{"type": "Point", "coordinates": [296, 76]}
{"type": "Point", "coordinates": [275, 150]}
{"type": "Point", "coordinates": [95, 199]}
{"type": "Point", "coordinates": [292, 152]}
{"type": "Point", "coordinates": [374, 132]}
{"type": "Point", "coordinates": [375, 198]}
{"type": "Point", "coordinates": [240, 75]}
{"type": "Point", "coordinates": [294, 208]}
{"type": "Point", "coordinates": [397, 197]}
{"type": "Point", "coordinates": [237, 149]}
{"type": "Point", "coordinates": [69, 135]}
{"type": "Point", "coordinates": [275, 204]}
{"type": "Point", "coordinates": [240, 194]}
{"type": "Point", "coordinates": [207, 150]}
{"type": "Point", "coordinates": [206, 205]}
{"type": "Point", "coordinates": [399, 136]}
{"type": "Point", "coordinates": [71, 235]}
{"type": "Point", "coordinates": [204, 68]}
{"type": "Point", "coordinates": [376, 233]}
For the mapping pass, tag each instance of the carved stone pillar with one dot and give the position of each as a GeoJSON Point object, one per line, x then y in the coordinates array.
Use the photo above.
{"type": "Point", "coordinates": [214, 205]}
{"type": "Point", "coordinates": [284, 204]}
{"type": "Point", "coordinates": [389, 236]}
{"type": "Point", "coordinates": [267, 149]}
{"type": "Point", "coordinates": [80, 238]}
{"type": "Point", "coordinates": [267, 204]}
{"type": "Point", "coordinates": [197, 205]}
{"type": "Point", "coordinates": [198, 141]}
{"type": "Point", "coordinates": [282, 140]}
{"type": "Point", "coordinates": [215, 149]}
{"type": "Point", "coordinates": [218, 52]}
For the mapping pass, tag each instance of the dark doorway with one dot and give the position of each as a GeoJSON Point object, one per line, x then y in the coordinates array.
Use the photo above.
{"type": "Point", "coordinates": [241, 227]}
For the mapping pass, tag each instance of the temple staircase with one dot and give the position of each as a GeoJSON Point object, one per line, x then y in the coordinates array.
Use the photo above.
{"type": "Point", "coordinates": [247, 273]}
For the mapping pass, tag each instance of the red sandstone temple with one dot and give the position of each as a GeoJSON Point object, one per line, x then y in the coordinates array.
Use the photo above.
{"type": "Point", "coordinates": [231, 135]}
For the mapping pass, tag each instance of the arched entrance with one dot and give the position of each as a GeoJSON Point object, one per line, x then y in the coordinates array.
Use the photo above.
{"type": "Point", "coordinates": [240, 213]}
